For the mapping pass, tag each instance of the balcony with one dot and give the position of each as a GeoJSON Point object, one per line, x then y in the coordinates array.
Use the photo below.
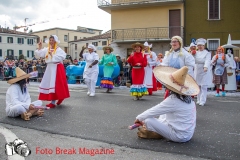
{"type": "Point", "coordinates": [108, 5]}
{"type": "Point", "coordinates": [146, 34]}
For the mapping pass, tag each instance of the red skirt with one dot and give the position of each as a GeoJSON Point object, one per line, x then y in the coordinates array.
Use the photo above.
{"type": "Point", "coordinates": [61, 87]}
{"type": "Point", "coordinates": [138, 76]}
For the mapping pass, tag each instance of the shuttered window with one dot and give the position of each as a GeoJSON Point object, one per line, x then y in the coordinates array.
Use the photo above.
{"type": "Point", "coordinates": [213, 44]}
{"type": "Point", "coordinates": [213, 9]}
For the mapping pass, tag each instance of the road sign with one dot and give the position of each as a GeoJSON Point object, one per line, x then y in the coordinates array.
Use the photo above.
{"type": "Point", "coordinates": [193, 40]}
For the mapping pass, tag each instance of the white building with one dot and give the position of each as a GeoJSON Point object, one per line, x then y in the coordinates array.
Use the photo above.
{"type": "Point", "coordinates": [16, 43]}
{"type": "Point", "coordinates": [99, 41]}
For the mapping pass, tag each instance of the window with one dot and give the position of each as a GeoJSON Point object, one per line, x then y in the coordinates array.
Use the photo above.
{"type": "Point", "coordinates": [213, 44]}
{"type": "Point", "coordinates": [10, 52]}
{"type": "Point", "coordinates": [104, 43]}
{"type": "Point", "coordinates": [44, 38]}
{"type": "Point", "coordinates": [0, 52]}
{"type": "Point", "coordinates": [30, 54]}
{"type": "Point", "coordinates": [0, 39]}
{"type": "Point", "coordinates": [86, 44]}
{"type": "Point", "coordinates": [65, 38]}
{"type": "Point", "coordinates": [213, 9]}
{"type": "Point", "coordinates": [20, 52]}
{"type": "Point", "coordinates": [20, 41]}
{"type": "Point", "coordinates": [38, 40]}
{"type": "Point", "coordinates": [75, 38]}
{"type": "Point", "coordinates": [75, 55]}
{"type": "Point", "coordinates": [75, 46]}
{"type": "Point", "coordinates": [95, 43]}
{"type": "Point", "coordinates": [10, 39]}
{"type": "Point", "coordinates": [30, 41]}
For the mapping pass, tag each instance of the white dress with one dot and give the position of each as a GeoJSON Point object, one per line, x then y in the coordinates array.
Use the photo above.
{"type": "Point", "coordinates": [231, 86]}
{"type": "Point", "coordinates": [177, 124]}
{"type": "Point", "coordinates": [47, 84]}
{"type": "Point", "coordinates": [18, 102]}
{"type": "Point", "coordinates": [91, 73]}
{"type": "Point", "coordinates": [148, 76]}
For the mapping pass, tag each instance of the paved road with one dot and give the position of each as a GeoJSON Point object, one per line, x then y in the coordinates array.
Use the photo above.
{"type": "Point", "coordinates": [105, 118]}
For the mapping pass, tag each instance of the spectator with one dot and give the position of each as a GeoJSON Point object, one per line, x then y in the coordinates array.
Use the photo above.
{"type": "Point", "coordinates": [120, 64]}
{"type": "Point", "coordinates": [66, 63]}
{"type": "Point", "coordinates": [39, 69]}
{"type": "Point", "coordinates": [44, 65]}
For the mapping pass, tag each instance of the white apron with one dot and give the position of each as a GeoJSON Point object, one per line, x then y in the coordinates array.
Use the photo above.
{"type": "Point", "coordinates": [47, 84]}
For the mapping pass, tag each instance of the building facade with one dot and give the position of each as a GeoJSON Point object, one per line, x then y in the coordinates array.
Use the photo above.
{"type": "Point", "coordinates": [214, 21]}
{"type": "Point", "coordinates": [66, 35]}
{"type": "Point", "coordinates": [14, 43]}
{"type": "Point", "coordinates": [99, 41]}
{"type": "Point", "coordinates": [155, 21]}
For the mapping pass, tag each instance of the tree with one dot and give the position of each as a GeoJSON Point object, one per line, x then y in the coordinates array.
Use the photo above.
{"type": "Point", "coordinates": [21, 56]}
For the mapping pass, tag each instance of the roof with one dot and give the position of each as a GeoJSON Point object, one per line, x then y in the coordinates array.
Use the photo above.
{"type": "Point", "coordinates": [10, 31]}
{"type": "Point", "coordinates": [65, 29]}
{"type": "Point", "coordinates": [101, 36]}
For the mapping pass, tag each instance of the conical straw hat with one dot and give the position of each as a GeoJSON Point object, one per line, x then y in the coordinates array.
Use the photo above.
{"type": "Point", "coordinates": [138, 44]}
{"type": "Point", "coordinates": [177, 80]}
{"type": "Point", "coordinates": [20, 74]}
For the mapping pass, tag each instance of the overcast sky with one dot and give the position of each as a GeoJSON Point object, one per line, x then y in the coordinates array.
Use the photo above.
{"type": "Point", "coordinates": [80, 12]}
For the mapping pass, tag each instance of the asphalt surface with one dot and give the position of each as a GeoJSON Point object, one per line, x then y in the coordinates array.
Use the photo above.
{"type": "Point", "coordinates": [106, 117]}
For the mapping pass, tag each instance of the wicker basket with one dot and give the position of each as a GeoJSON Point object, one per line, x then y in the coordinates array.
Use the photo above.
{"type": "Point", "coordinates": [230, 73]}
{"type": "Point", "coordinates": [128, 85]}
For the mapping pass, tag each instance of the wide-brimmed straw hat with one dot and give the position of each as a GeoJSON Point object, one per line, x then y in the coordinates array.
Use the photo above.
{"type": "Point", "coordinates": [107, 47]}
{"type": "Point", "coordinates": [177, 80]}
{"type": "Point", "coordinates": [20, 74]}
{"type": "Point", "coordinates": [137, 44]}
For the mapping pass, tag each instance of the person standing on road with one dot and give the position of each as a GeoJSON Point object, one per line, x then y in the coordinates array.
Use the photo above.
{"type": "Point", "coordinates": [54, 83]}
{"type": "Point", "coordinates": [177, 112]}
{"type": "Point", "coordinates": [108, 60]}
{"type": "Point", "coordinates": [220, 61]}
{"type": "Point", "coordinates": [138, 61]}
{"type": "Point", "coordinates": [91, 69]}
{"type": "Point", "coordinates": [149, 79]}
{"type": "Point", "coordinates": [202, 70]}
{"type": "Point", "coordinates": [178, 57]}
{"type": "Point", "coordinates": [18, 100]}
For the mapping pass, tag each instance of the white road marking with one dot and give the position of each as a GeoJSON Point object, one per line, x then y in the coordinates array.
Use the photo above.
{"type": "Point", "coordinates": [10, 137]}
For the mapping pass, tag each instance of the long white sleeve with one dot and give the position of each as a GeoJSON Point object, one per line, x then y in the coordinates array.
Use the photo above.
{"type": "Point", "coordinates": [154, 60]}
{"type": "Point", "coordinates": [164, 107]}
{"type": "Point", "coordinates": [208, 60]}
{"type": "Point", "coordinates": [41, 52]}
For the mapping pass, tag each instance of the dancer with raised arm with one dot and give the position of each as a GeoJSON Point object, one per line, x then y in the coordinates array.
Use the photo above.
{"type": "Point", "coordinates": [54, 83]}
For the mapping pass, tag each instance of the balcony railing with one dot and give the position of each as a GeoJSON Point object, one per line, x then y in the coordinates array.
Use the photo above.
{"type": "Point", "coordinates": [131, 2]}
{"type": "Point", "coordinates": [144, 34]}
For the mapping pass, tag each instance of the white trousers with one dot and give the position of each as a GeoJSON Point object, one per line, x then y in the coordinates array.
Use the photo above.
{"type": "Point", "coordinates": [91, 84]}
{"type": "Point", "coordinates": [163, 129]}
{"type": "Point", "coordinates": [17, 110]}
{"type": "Point", "coordinates": [202, 96]}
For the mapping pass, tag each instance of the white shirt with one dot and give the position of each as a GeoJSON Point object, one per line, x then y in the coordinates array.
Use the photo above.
{"type": "Point", "coordinates": [180, 116]}
{"type": "Point", "coordinates": [59, 56]}
{"type": "Point", "coordinates": [14, 96]}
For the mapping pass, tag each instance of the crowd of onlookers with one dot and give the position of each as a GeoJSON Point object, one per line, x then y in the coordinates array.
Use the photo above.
{"type": "Point", "coordinates": [8, 65]}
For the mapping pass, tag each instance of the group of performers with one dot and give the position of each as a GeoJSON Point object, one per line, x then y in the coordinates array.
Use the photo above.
{"type": "Point", "coordinates": [177, 71]}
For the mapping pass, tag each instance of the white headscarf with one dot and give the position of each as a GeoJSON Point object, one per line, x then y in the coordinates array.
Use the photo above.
{"type": "Point", "coordinates": [55, 38]}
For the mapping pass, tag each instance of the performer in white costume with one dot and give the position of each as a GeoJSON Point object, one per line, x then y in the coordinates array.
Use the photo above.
{"type": "Point", "coordinates": [231, 73]}
{"type": "Point", "coordinates": [18, 100]}
{"type": "Point", "coordinates": [149, 79]}
{"type": "Point", "coordinates": [178, 57]}
{"type": "Point", "coordinates": [179, 109]}
{"type": "Point", "coordinates": [202, 71]}
{"type": "Point", "coordinates": [91, 69]}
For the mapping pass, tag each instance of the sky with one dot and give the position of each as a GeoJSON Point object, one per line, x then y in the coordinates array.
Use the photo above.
{"type": "Point", "coordinates": [60, 13]}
